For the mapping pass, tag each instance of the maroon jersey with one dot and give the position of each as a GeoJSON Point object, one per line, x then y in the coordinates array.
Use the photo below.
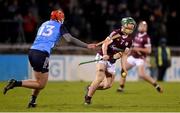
{"type": "Point", "coordinates": [141, 40]}
{"type": "Point", "coordinates": [118, 45]}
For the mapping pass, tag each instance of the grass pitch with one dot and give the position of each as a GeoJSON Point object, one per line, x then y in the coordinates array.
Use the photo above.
{"type": "Point", "coordinates": [69, 96]}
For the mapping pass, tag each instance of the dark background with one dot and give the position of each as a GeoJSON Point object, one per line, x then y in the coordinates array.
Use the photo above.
{"type": "Point", "coordinates": [89, 20]}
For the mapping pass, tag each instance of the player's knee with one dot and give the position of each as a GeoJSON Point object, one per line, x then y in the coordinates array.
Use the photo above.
{"type": "Point", "coordinates": [107, 86]}
{"type": "Point", "coordinates": [141, 75]}
{"type": "Point", "coordinates": [99, 79]}
{"type": "Point", "coordinates": [41, 87]}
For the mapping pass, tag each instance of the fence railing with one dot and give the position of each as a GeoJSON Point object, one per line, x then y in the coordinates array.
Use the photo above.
{"type": "Point", "coordinates": [65, 49]}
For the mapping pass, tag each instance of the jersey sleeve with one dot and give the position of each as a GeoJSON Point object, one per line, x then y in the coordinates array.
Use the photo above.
{"type": "Point", "coordinates": [147, 42]}
{"type": "Point", "coordinates": [114, 32]}
{"type": "Point", "coordinates": [128, 44]}
{"type": "Point", "coordinates": [63, 29]}
{"type": "Point", "coordinates": [70, 39]}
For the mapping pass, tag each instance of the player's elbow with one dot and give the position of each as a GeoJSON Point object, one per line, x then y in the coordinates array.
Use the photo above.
{"type": "Point", "coordinates": [105, 45]}
{"type": "Point", "coordinates": [67, 37]}
{"type": "Point", "coordinates": [107, 86]}
{"type": "Point", "coordinates": [148, 51]}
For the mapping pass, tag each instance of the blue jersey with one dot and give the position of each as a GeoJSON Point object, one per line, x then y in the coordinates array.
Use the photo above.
{"type": "Point", "coordinates": [47, 36]}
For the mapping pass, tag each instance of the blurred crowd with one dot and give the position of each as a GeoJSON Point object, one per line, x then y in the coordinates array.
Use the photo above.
{"type": "Point", "coordinates": [89, 20]}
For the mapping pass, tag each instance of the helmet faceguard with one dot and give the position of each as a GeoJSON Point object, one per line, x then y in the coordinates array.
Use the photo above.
{"type": "Point", "coordinates": [128, 25]}
{"type": "Point", "coordinates": [57, 15]}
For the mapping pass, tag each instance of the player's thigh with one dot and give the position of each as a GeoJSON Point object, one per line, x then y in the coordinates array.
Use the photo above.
{"type": "Point", "coordinates": [100, 70]}
{"type": "Point", "coordinates": [140, 63]}
{"type": "Point", "coordinates": [110, 72]}
{"type": "Point", "coordinates": [141, 70]}
{"type": "Point", "coordinates": [131, 61]}
{"type": "Point", "coordinates": [101, 67]}
{"type": "Point", "coordinates": [128, 66]}
{"type": "Point", "coordinates": [109, 79]}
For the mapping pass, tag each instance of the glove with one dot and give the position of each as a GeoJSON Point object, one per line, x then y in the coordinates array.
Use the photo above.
{"type": "Point", "coordinates": [117, 55]}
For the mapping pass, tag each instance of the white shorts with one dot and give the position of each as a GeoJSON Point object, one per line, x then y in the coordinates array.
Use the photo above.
{"type": "Point", "coordinates": [110, 67]}
{"type": "Point", "coordinates": [135, 61]}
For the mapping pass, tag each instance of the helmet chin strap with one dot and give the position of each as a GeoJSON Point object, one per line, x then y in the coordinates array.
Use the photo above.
{"type": "Point", "coordinates": [126, 31]}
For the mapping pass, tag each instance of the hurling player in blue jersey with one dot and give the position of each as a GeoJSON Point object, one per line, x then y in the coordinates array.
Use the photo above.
{"type": "Point", "coordinates": [49, 33]}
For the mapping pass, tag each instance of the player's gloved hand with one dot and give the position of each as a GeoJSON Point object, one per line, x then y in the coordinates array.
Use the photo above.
{"type": "Point", "coordinates": [105, 57]}
{"type": "Point", "coordinates": [91, 46]}
{"type": "Point", "coordinates": [117, 55]}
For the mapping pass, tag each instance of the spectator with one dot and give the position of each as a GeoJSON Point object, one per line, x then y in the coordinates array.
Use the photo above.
{"type": "Point", "coordinates": [152, 65]}
{"type": "Point", "coordinates": [29, 27]}
{"type": "Point", "coordinates": [97, 17]}
{"type": "Point", "coordinates": [163, 58]}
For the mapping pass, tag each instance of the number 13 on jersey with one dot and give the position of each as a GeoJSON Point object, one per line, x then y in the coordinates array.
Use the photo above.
{"type": "Point", "coordinates": [46, 30]}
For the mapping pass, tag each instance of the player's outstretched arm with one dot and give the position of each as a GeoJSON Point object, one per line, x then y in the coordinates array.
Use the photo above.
{"type": "Point", "coordinates": [146, 50]}
{"type": "Point", "coordinates": [105, 47]}
{"type": "Point", "coordinates": [70, 39]}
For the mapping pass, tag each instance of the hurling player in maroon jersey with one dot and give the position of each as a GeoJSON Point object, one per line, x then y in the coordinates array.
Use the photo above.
{"type": "Point", "coordinates": [111, 51]}
{"type": "Point", "coordinates": [141, 48]}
